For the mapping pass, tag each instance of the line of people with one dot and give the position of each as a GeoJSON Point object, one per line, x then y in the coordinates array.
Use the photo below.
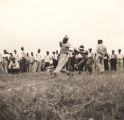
{"type": "Point", "coordinates": [23, 62]}
{"type": "Point", "coordinates": [67, 60]}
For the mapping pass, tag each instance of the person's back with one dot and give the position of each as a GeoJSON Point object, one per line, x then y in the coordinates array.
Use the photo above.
{"type": "Point", "coordinates": [101, 49]}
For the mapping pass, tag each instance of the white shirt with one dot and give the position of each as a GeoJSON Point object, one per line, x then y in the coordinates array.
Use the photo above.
{"type": "Point", "coordinates": [113, 56]}
{"type": "Point", "coordinates": [47, 58]}
{"type": "Point", "coordinates": [119, 56]}
{"type": "Point", "coordinates": [54, 57]}
{"type": "Point", "coordinates": [14, 65]}
{"type": "Point", "coordinates": [6, 56]}
{"type": "Point", "coordinates": [90, 54]}
{"type": "Point", "coordinates": [79, 56]}
{"type": "Point", "coordinates": [16, 56]}
{"type": "Point", "coordinates": [23, 55]}
{"type": "Point", "coordinates": [38, 57]}
{"type": "Point", "coordinates": [101, 49]}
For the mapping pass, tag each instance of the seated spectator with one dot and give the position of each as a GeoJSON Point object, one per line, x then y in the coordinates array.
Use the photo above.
{"type": "Point", "coordinates": [13, 66]}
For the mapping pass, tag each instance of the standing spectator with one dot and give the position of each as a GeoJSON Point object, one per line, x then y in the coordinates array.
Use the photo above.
{"type": "Point", "coordinates": [57, 57]}
{"type": "Point", "coordinates": [10, 57]}
{"type": "Point", "coordinates": [15, 55]}
{"type": "Point", "coordinates": [9, 60]}
{"type": "Point", "coordinates": [1, 63]}
{"type": "Point", "coordinates": [113, 61]}
{"type": "Point", "coordinates": [71, 62]}
{"type": "Point", "coordinates": [32, 60]}
{"type": "Point", "coordinates": [120, 60]}
{"type": "Point", "coordinates": [38, 60]}
{"type": "Point", "coordinates": [47, 60]}
{"type": "Point", "coordinates": [5, 61]}
{"type": "Point", "coordinates": [106, 62]}
{"type": "Point", "coordinates": [79, 58]}
{"type": "Point", "coordinates": [27, 62]}
{"type": "Point", "coordinates": [23, 61]}
{"type": "Point", "coordinates": [90, 60]}
{"type": "Point", "coordinates": [101, 50]}
{"type": "Point", "coordinates": [54, 60]}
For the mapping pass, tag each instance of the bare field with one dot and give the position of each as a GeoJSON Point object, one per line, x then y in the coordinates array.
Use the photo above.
{"type": "Point", "coordinates": [37, 96]}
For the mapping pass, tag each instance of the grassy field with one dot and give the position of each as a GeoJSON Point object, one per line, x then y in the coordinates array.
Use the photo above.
{"type": "Point", "coordinates": [37, 96]}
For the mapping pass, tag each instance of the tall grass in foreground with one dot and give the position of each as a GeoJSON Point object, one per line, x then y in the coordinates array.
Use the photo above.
{"type": "Point", "coordinates": [63, 98]}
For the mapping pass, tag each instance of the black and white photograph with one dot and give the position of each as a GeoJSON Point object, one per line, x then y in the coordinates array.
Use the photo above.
{"type": "Point", "coordinates": [61, 59]}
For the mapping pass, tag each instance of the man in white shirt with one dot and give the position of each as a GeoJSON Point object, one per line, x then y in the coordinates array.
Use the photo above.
{"type": "Point", "coordinates": [90, 60]}
{"type": "Point", "coordinates": [113, 61]}
{"type": "Point", "coordinates": [100, 52]}
{"type": "Point", "coordinates": [120, 60]}
{"type": "Point", "coordinates": [38, 60]}
{"type": "Point", "coordinates": [15, 55]}
{"type": "Point", "coordinates": [32, 62]}
{"type": "Point", "coordinates": [47, 60]}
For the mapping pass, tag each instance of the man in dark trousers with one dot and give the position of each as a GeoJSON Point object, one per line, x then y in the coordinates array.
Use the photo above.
{"type": "Point", "coordinates": [23, 61]}
{"type": "Point", "coordinates": [113, 61]}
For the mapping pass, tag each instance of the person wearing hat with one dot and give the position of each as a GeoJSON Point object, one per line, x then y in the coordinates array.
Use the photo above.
{"type": "Point", "coordinates": [113, 61]}
{"type": "Point", "coordinates": [120, 60]}
{"type": "Point", "coordinates": [82, 61]}
{"type": "Point", "coordinates": [79, 58]}
{"type": "Point", "coordinates": [64, 57]}
{"type": "Point", "coordinates": [13, 66]}
{"type": "Point", "coordinates": [90, 60]}
{"type": "Point", "coordinates": [100, 52]}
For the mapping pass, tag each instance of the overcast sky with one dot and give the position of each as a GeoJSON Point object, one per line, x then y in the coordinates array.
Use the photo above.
{"type": "Point", "coordinates": [43, 23]}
